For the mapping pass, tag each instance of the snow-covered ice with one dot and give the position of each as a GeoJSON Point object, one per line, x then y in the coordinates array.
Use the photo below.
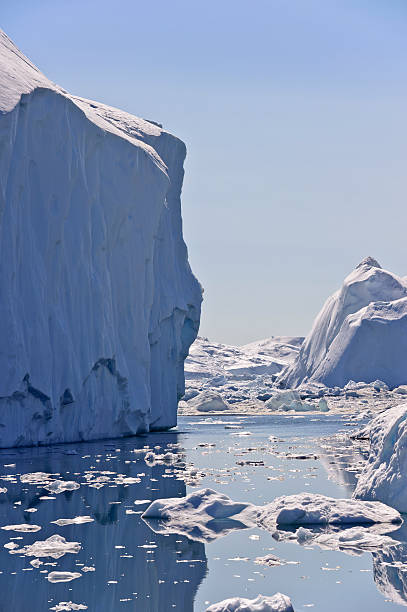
{"type": "Point", "coordinates": [208, 401]}
{"type": "Point", "coordinates": [205, 515]}
{"type": "Point", "coordinates": [55, 546]}
{"type": "Point", "coordinates": [315, 509]}
{"type": "Point", "coordinates": [67, 606]}
{"type": "Point", "coordinates": [98, 305]}
{"type": "Point", "coordinates": [384, 477]}
{"type": "Point", "coordinates": [275, 603]}
{"type": "Point", "coordinates": [360, 333]}
{"type": "Point", "coordinates": [63, 576]}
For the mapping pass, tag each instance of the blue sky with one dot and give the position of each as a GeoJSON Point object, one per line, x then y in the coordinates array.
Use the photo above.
{"type": "Point", "coordinates": [294, 115]}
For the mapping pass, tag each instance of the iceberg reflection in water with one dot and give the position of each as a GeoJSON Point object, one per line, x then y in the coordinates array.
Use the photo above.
{"type": "Point", "coordinates": [121, 563]}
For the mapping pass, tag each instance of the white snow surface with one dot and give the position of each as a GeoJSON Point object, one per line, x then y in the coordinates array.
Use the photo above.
{"type": "Point", "coordinates": [208, 401]}
{"type": "Point", "coordinates": [98, 305]}
{"type": "Point", "coordinates": [205, 515]}
{"type": "Point", "coordinates": [275, 603]}
{"type": "Point", "coordinates": [208, 359]}
{"type": "Point", "coordinates": [384, 477]}
{"type": "Point", "coordinates": [242, 375]}
{"type": "Point", "coordinates": [360, 333]}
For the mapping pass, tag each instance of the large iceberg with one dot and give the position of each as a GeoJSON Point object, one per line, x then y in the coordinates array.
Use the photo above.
{"type": "Point", "coordinates": [98, 304]}
{"type": "Point", "coordinates": [360, 333]}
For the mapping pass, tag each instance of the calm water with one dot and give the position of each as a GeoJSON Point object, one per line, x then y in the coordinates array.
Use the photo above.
{"type": "Point", "coordinates": [124, 565]}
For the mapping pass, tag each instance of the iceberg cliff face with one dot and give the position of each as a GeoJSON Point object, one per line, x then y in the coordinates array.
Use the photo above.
{"type": "Point", "coordinates": [98, 305]}
{"type": "Point", "coordinates": [360, 333]}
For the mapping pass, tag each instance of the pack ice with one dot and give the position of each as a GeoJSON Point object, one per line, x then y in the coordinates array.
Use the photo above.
{"type": "Point", "coordinates": [360, 333]}
{"type": "Point", "coordinates": [98, 305]}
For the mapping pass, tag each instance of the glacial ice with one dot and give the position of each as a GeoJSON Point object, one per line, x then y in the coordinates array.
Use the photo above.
{"type": "Point", "coordinates": [55, 546]}
{"type": "Point", "coordinates": [384, 478]}
{"type": "Point", "coordinates": [275, 603]}
{"type": "Point", "coordinates": [98, 305]}
{"type": "Point", "coordinates": [205, 515]}
{"type": "Point", "coordinates": [359, 335]}
{"type": "Point", "coordinates": [208, 401]}
{"type": "Point", "coordinates": [63, 576]}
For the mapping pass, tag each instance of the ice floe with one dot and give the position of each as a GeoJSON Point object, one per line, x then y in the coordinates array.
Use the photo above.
{"type": "Point", "coordinates": [77, 520]}
{"type": "Point", "coordinates": [55, 546]}
{"type": "Point", "coordinates": [24, 527]}
{"type": "Point", "coordinates": [275, 603]}
{"type": "Point", "coordinates": [68, 606]}
{"type": "Point", "coordinates": [205, 515]}
{"type": "Point", "coordinates": [63, 576]}
{"type": "Point", "coordinates": [59, 486]}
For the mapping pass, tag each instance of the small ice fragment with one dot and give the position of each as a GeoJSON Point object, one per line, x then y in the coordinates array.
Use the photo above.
{"type": "Point", "coordinates": [59, 486]}
{"type": "Point", "coordinates": [55, 546]}
{"type": "Point", "coordinates": [78, 520]}
{"type": "Point", "coordinates": [67, 606]}
{"type": "Point", "coordinates": [63, 576]}
{"type": "Point", "coordinates": [23, 527]}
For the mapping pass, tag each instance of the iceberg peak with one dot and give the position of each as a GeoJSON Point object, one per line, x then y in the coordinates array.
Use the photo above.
{"type": "Point", "coordinates": [369, 261]}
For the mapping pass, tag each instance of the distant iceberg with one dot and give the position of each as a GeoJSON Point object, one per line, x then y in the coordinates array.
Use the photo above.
{"type": "Point", "coordinates": [98, 304]}
{"type": "Point", "coordinates": [359, 335]}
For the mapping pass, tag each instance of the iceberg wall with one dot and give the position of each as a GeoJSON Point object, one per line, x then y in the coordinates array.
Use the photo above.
{"type": "Point", "coordinates": [360, 333]}
{"type": "Point", "coordinates": [98, 304]}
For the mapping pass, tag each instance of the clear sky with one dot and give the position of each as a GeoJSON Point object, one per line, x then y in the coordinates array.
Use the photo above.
{"type": "Point", "coordinates": [294, 115]}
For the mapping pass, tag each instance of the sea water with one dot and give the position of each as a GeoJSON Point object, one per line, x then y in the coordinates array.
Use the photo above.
{"type": "Point", "coordinates": [111, 560]}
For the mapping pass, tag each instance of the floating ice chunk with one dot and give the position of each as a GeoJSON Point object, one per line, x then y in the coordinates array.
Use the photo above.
{"type": "Point", "coordinates": [3, 490]}
{"type": "Point", "coordinates": [78, 520]}
{"type": "Point", "coordinates": [55, 546]}
{"type": "Point", "coordinates": [59, 486]}
{"type": "Point", "coordinates": [270, 561]}
{"type": "Point", "coordinates": [323, 405]}
{"type": "Point", "coordinates": [275, 603]}
{"type": "Point", "coordinates": [36, 478]}
{"type": "Point", "coordinates": [289, 400]}
{"type": "Point", "coordinates": [67, 606]}
{"type": "Point", "coordinates": [208, 401]}
{"type": "Point", "coordinates": [283, 398]}
{"type": "Point", "coordinates": [87, 568]}
{"type": "Point", "coordinates": [36, 563]}
{"type": "Point", "coordinates": [24, 527]}
{"type": "Point", "coordinates": [205, 515]}
{"type": "Point", "coordinates": [384, 477]}
{"type": "Point", "coordinates": [63, 577]}
{"type": "Point", "coordinates": [315, 509]}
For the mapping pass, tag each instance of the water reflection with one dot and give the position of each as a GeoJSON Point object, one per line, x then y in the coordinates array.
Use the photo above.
{"type": "Point", "coordinates": [390, 569]}
{"type": "Point", "coordinates": [134, 568]}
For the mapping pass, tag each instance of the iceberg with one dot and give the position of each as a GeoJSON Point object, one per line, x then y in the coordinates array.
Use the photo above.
{"type": "Point", "coordinates": [384, 477]}
{"type": "Point", "coordinates": [359, 335]}
{"type": "Point", "coordinates": [98, 305]}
